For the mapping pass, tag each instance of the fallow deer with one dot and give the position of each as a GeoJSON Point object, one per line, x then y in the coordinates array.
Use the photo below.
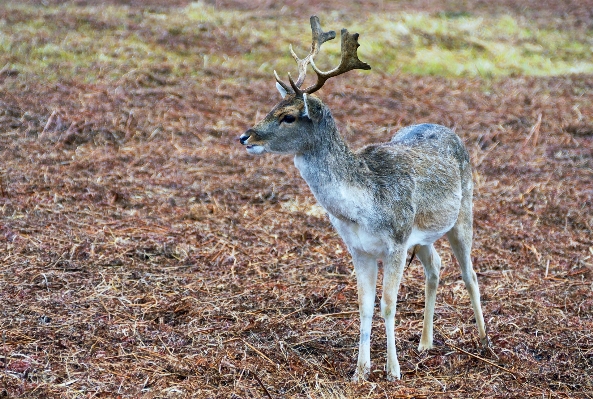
{"type": "Point", "coordinates": [382, 199]}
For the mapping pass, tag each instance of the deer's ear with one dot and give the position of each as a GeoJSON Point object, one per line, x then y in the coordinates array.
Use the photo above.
{"type": "Point", "coordinates": [306, 107]}
{"type": "Point", "coordinates": [281, 90]}
{"type": "Point", "coordinates": [312, 107]}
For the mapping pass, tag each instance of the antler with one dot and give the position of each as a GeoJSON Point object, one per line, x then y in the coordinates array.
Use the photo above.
{"type": "Point", "coordinates": [319, 37]}
{"type": "Point", "coordinates": [349, 60]}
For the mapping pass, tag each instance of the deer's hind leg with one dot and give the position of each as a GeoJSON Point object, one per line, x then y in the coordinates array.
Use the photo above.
{"type": "Point", "coordinates": [431, 262]}
{"type": "Point", "coordinates": [460, 237]}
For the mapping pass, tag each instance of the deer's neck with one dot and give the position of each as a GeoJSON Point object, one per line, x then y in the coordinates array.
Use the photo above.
{"type": "Point", "coordinates": [330, 168]}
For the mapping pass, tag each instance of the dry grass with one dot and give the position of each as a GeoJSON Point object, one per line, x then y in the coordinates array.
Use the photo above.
{"type": "Point", "coordinates": [144, 254]}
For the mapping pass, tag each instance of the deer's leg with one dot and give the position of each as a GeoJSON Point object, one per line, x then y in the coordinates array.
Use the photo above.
{"type": "Point", "coordinates": [432, 265]}
{"type": "Point", "coordinates": [366, 279]}
{"type": "Point", "coordinates": [460, 238]}
{"type": "Point", "coordinates": [392, 275]}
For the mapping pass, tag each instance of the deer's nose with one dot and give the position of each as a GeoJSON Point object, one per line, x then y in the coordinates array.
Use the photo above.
{"type": "Point", "coordinates": [245, 136]}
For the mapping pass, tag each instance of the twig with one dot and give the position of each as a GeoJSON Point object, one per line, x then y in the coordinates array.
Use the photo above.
{"type": "Point", "coordinates": [319, 367]}
{"type": "Point", "coordinates": [413, 256]}
{"type": "Point", "coordinates": [261, 383]}
{"type": "Point", "coordinates": [328, 298]}
{"type": "Point", "coordinates": [478, 162]}
{"type": "Point", "coordinates": [259, 353]}
{"type": "Point", "coordinates": [291, 313]}
{"type": "Point", "coordinates": [534, 132]}
{"type": "Point", "coordinates": [2, 192]}
{"type": "Point", "coordinates": [4, 383]}
{"type": "Point", "coordinates": [339, 314]}
{"type": "Point", "coordinates": [50, 120]}
{"type": "Point", "coordinates": [547, 268]}
{"type": "Point", "coordinates": [513, 373]}
{"type": "Point", "coordinates": [537, 129]}
{"type": "Point", "coordinates": [4, 350]}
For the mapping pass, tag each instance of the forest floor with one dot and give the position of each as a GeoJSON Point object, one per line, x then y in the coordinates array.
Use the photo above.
{"type": "Point", "coordinates": [144, 253]}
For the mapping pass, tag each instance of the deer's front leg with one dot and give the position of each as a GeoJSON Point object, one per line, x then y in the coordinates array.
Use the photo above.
{"type": "Point", "coordinates": [366, 279]}
{"type": "Point", "coordinates": [393, 267]}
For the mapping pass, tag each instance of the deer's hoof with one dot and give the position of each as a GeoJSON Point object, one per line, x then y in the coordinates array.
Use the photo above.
{"type": "Point", "coordinates": [361, 374]}
{"type": "Point", "coordinates": [393, 372]}
{"type": "Point", "coordinates": [485, 341]}
{"type": "Point", "coordinates": [393, 376]}
{"type": "Point", "coordinates": [424, 346]}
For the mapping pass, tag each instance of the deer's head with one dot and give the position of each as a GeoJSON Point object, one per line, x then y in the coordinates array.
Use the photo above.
{"type": "Point", "coordinates": [291, 125]}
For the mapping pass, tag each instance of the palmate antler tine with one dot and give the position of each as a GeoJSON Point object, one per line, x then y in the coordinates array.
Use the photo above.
{"type": "Point", "coordinates": [348, 62]}
{"type": "Point", "coordinates": [319, 37]}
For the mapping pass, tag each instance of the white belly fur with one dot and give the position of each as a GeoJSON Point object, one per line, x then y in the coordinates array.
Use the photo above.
{"type": "Point", "coordinates": [359, 239]}
{"type": "Point", "coordinates": [420, 237]}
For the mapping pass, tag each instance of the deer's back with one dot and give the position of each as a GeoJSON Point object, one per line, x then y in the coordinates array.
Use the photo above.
{"type": "Point", "coordinates": [422, 174]}
{"type": "Point", "coordinates": [431, 138]}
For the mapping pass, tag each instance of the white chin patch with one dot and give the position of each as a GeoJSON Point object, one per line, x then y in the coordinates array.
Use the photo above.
{"type": "Point", "coordinates": [255, 149]}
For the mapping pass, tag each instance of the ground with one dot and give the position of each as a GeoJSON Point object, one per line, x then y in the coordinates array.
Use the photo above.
{"type": "Point", "coordinates": [143, 253]}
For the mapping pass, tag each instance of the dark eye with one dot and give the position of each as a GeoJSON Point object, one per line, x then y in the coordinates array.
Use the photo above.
{"type": "Point", "coordinates": [288, 119]}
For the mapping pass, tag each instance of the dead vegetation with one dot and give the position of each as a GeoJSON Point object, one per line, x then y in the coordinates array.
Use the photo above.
{"type": "Point", "coordinates": [143, 253]}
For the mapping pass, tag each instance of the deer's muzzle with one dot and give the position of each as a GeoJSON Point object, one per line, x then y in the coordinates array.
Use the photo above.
{"type": "Point", "coordinates": [245, 136]}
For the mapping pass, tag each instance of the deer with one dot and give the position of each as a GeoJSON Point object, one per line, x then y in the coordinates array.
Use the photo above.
{"type": "Point", "coordinates": [383, 199]}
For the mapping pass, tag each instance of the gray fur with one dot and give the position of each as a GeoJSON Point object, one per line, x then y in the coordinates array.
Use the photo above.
{"type": "Point", "coordinates": [383, 199]}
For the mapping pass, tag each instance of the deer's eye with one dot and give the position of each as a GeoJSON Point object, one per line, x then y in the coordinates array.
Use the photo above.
{"type": "Point", "coordinates": [288, 119]}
